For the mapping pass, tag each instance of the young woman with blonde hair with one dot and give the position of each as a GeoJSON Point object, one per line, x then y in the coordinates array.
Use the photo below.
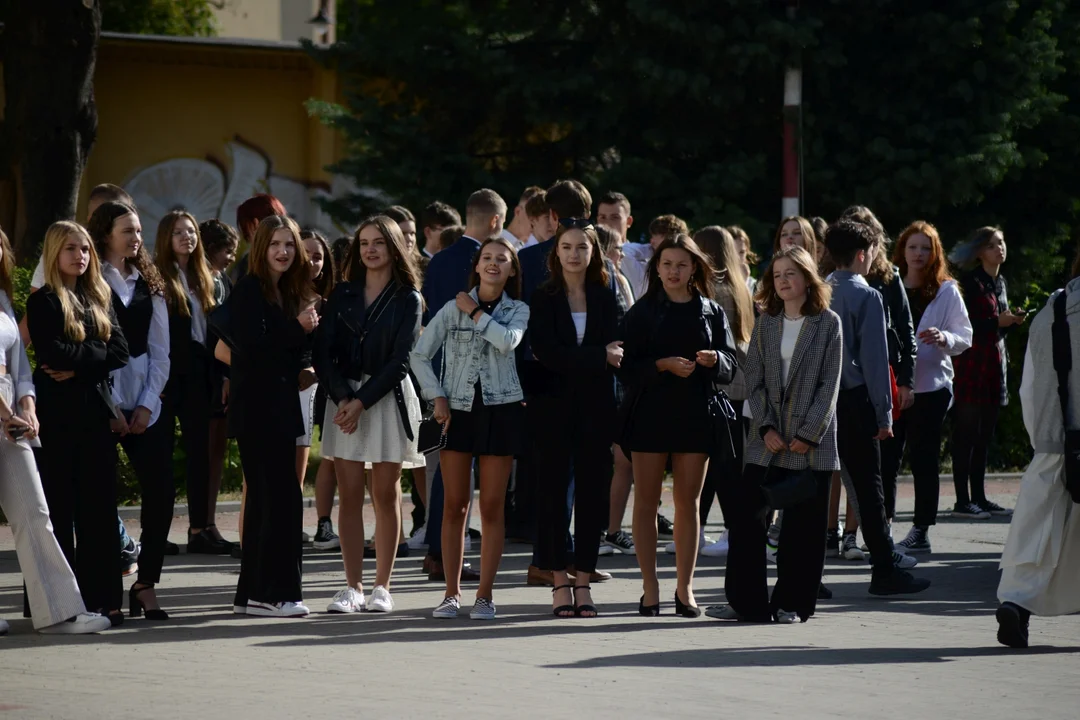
{"type": "Point", "coordinates": [78, 342]}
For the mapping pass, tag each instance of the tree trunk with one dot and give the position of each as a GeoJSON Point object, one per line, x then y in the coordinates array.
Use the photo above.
{"type": "Point", "coordinates": [50, 120]}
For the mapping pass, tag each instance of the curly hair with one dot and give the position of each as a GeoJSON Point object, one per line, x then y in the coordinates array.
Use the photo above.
{"type": "Point", "coordinates": [100, 227]}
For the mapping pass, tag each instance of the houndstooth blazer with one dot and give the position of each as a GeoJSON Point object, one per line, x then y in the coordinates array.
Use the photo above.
{"type": "Point", "coordinates": [806, 407]}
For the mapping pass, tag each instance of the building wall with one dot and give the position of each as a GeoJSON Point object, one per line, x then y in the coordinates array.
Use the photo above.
{"type": "Point", "coordinates": [266, 19]}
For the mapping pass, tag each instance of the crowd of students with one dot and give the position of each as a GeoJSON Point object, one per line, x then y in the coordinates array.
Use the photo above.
{"type": "Point", "coordinates": [552, 351]}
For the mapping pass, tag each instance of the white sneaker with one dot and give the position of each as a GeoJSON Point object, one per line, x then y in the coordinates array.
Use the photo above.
{"type": "Point", "coordinates": [670, 548]}
{"type": "Point", "coordinates": [4, 627]}
{"type": "Point", "coordinates": [380, 600]}
{"type": "Point", "coordinates": [703, 540]}
{"type": "Point", "coordinates": [349, 600]}
{"type": "Point", "coordinates": [282, 609]}
{"type": "Point", "coordinates": [605, 549]}
{"type": "Point", "coordinates": [419, 540]}
{"type": "Point", "coordinates": [718, 548]}
{"type": "Point", "coordinates": [785, 617]}
{"type": "Point", "coordinates": [81, 624]}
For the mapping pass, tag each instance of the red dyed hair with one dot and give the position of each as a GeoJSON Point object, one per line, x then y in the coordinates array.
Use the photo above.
{"type": "Point", "coordinates": [937, 270]}
{"type": "Point", "coordinates": [253, 211]}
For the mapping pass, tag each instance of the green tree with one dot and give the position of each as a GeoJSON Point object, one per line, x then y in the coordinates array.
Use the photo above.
{"type": "Point", "coordinates": [193, 18]}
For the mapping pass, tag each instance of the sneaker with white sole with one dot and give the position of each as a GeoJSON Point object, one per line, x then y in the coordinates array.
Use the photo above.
{"type": "Point", "coordinates": [703, 540]}
{"type": "Point", "coordinates": [993, 508]}
{"type": "Point", "coordinates": [722, 612]}
{"type": "Point", "coordinates": [349, 600]}
{"type": "Point", "coordinates": [325, 537]}
{"type": "Point", "coordinates": [239, 609]}
{"type": "Point", "coordinates": [288, 609]}
{"type": "Point", "coordinates": [4, 627]}
{"type": "Point", "coordinates": [419, 540]}
{"type": "Point", "coordinates": [900, 560]}
{"type": "Point", "coordinates": [482, 609]}
{"type": "Point", "coordinates": [380, 601]}
{"type": "Point", "coordinates": [970, 511]}
{"type": "Point", "coordinates": [665, 529]}
{"type": "Point", "coordinates": [718, 548]}
{"type": "Point", "coordinates": [81, 624]}
{"type": "Point", "coordinates": [784, 617]}
{"type": "Point", "coordinates": [604, 550]}
{"type": "Point", "coordinates": [832, 543]}
{"type": "Point", "coordinates": [447, 609]}
{"type": "Point", "coordinates": [850, 548]}
{"type": "Point", "coordinates": [916, 541]}
{"type": "Point", "coordinates": [621, 541]}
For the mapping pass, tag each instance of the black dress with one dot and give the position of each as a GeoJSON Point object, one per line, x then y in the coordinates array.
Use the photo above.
{"type": "Point", "coordinates": [486, 429]}
{"type": "Point", "coordinates": [670, 415]}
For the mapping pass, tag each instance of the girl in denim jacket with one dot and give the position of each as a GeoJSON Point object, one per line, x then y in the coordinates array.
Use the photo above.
{"type": "Point", "coordinates": [477, 400]}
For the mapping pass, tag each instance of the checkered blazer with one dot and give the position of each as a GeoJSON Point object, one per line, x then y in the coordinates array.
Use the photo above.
{"type": "Point", "coordinates": [806, 407]}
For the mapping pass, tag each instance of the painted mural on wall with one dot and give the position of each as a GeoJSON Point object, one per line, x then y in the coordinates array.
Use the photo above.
{"type": "Point", "coordinates": [208, 188]}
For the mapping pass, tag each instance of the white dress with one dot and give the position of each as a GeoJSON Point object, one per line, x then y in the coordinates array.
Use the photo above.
{"type": "Point", "coordinates": [379, 435]}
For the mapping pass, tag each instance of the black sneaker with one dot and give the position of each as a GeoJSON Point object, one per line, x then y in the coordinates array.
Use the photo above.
{"type": "Point", "coordinates": [917, 541]}
{"type": "Point", "coordinates": [823, 592]}
{"type": "Point", "coordinates": [475, 534]}
{"type": "Point", "coordinates": [832, 543]}
{"type": "Point", "coordinates": [325, 537]}
{"type": "Point", "coordinates": [1012, 625]}
{"type": "Point", "coordinates": [993, 508]}
{"type": "Point", "coordinates": [402, 551]}
{"type": "Point", "coordinates": [665, 529]}
{"type": "Point", "coordinates": [969, 510]}
{"type": "Point", "coordinates": [129, 558]}
{"type": "Point", "coordinates": [898, 582]}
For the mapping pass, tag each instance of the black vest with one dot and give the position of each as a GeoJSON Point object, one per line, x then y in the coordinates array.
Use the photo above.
{"type": "Point", "coordinates": [135, 318]}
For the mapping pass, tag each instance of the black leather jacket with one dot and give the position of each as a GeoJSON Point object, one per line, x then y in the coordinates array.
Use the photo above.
{"type": "Point", "coordinates": [383, 353]}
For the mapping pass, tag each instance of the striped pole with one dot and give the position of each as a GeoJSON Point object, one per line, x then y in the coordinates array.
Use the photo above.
{"type": "Point", "coordinates": [789, 204]}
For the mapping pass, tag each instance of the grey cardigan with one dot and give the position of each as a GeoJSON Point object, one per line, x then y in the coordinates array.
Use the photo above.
{"type": "Point", "coordinates": [806, 407]}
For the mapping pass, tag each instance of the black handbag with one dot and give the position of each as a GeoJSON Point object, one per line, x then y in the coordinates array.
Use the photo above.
{"type": "Point", "coordinates": [721, 415]}
{"type": "Point", "coordinates": [785, 488]}
{"type": "Point", "coordinates": [1062, 351]}
{"type": "Point", "coordinates": [431, 437]}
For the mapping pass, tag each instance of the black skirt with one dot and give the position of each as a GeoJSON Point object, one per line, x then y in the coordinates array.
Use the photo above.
{"type": "Point", "coordinates": [669, 420]}
{"type": "Point", "coordinates": [487, 429]}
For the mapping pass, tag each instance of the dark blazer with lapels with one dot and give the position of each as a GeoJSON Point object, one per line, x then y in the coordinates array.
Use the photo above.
{"type": "Point", "coordinates": [804, 408]}
{"type": "Point", "coordinates": [575, 378]}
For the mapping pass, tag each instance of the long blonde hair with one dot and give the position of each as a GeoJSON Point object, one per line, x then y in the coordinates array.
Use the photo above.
{"type": "Point", "coordinates": [198, 273]}
{"type": "Point", "coordinates": [719, 245]}
{"type": "Point", "coordinates": [95, 294]}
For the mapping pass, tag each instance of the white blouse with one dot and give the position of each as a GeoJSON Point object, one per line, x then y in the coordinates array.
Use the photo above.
{"type": "Point", "coordinates": [933, 363]}
{"type": "Point", "coordinates": [198, 313]}
{"type": "Point", "coordinates": [579, 325]}
{"type": "Point", "coordinates": [788, 338]}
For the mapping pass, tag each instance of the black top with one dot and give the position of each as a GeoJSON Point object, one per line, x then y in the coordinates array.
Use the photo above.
{"type": "Point", "coordinates": [899, 328]}
{"type": "Point", "coordinates": [135, 318]}
{"type": "Point", "coordinates": [78, 401]}
{"type": "Point", "coordinates": [976, 284]}
{"type": "Point", "coordinates": [181, 345]}
{"type": "Point", "coordinates": [918, 304]}
{"type": "Point", "coordinates": [264, 391]}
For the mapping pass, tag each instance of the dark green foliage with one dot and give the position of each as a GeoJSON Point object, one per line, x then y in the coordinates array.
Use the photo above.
{"type": "Point", "coordinates": [158, 17]}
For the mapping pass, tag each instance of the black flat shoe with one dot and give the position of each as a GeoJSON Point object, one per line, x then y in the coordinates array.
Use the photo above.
{"type": "Point", "coordinates": [686, 611]}
{"type": "Point", "coordinates": [203, 543]}
{"type": "Point", "coordinates": [823, 592]}
{"type": "Point", "coordinates": [136, 607]}
{"type": "Point", "coordinates": [116, 617]}
{"type": "Point", "coordinates": [1012, 625]}
{"type": "Point", "coordinates": [585, 608]}
{"type": "Point", "coordinates": [558, 611]}
{"type": "Point", "coordinates": [648, 610]}
{"type": "Point", "coordinates": [171, 548]}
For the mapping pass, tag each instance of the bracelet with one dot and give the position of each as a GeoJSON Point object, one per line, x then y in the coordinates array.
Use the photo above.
{"type": "Point", "coordinates": [472, 315]}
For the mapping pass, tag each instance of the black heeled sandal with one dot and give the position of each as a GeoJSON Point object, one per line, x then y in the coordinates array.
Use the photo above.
{"type": "Point", "coordinates": [687, 611]}
{"type": "Point", "coordinates": [579, 609]}
{"type": "Point", "coordinates": [648, 610]}
{"type": "Point", "coordinates": [136, 607]}
{"type": "Point", "coordinates": [563, 608]}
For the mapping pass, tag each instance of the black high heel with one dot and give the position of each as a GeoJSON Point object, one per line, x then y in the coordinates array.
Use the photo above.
{"type": "Point", "coordinates": [563, 608]}
{"type": "Point", "coordinates": [648, 610]}
{"type": "Point", "coordinates": [136, 607]}
{"type": "Point", "coordinates": [579, 609]}
{"type": "Point", "coordinates": [687, 611]}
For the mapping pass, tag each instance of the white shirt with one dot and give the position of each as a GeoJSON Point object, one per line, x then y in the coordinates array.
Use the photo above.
{"type": "Point", "coordinates": [635, 264]}
{"type": "Point", "coordinates": [38, 281]}
{"type": "Point", "coordinates": [141, 382]}
{"type": "Point", "coordinates": [511, 238]}
{"type": "Point", "coordinates": [198, 316]}
{"type": "Point", "coordinates": [788, 337]}
{"type": "Point", "coordinates": [529, 242]}
{"type": "Point", "coordinates": [13, 354]}
{"type": "Point", "coordinates": [579, 325]}
{"type": "Point", "coordinates": [933, 363]}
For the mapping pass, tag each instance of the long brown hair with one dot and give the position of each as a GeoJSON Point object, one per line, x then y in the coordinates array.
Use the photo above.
{"type": "Point", "coordinates": [100, 227]}
{"type": "Point", "coordinates": [93, 296]}
{"type": "Point", "coordinates": [703, 277]}
{"type": "Point", "coordinates": [719, 245]}
{"type": "Point", "coordinates": [937, 269]}
{"type": "Point", "coordinates": [198, 274]}
{"type": "Point", "coordinates": [818, 292]}
{"type": "Point", "coordinates": [294, 283]}
{"type": "Point", "coordinates": [7, 265]}
{"type": "Point", "coordinates": [810, 243]}
{"type": "Point", "coordinates": [402, 262]}
{"type": "Point", "coordinates": [596, 272]}
{"type": "Point", "coordinates": [513, 283]}
{"type": "Point", "coordinates": [324, 282]}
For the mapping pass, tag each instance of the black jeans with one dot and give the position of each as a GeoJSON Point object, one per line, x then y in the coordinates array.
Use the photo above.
{"type": "Point", "coordinates": [856, 426]}
{"type": "Point", "coordinates": [151, 457]}
{"type": "Point", "coordinates": [973, 429]}
{"type": "Point", "coordinates": [919, 425]}
{"type": "Point", "coordinates": [273, 521]}
{"type": "Point", "coordinates": [560, 454]}
{"type": "Point", "coordinates": [723, 468]}
{"type": "Point", "coordinates": [78, 475]}
{"type": "Point", "coordinates": [189, 398]}
{"type": "Point", "coordinates": [800, 560]}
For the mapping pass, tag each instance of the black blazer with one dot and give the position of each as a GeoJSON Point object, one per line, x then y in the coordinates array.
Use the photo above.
{"type": "Point", "coordinates": [78, 401]}
{"type": "Point", "coordinates": [384, 353]}
{"type": "Point", "coordinates": [899, 328]}
{"type": "Point", "coordinates": [264, 395]}
{"type": "Point", "coordinates": [578, 377]}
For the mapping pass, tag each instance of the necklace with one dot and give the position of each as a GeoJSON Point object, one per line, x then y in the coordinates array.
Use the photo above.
{"type": "Point", "coordinates": [793, 319]}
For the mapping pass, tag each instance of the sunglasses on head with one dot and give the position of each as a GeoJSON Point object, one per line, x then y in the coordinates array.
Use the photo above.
{"type": "Point", "coordinates": [576, 223]}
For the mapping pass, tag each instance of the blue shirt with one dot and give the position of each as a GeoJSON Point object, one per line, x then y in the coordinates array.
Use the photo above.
{"type": "Point", "coordinates": [866, 349]}
{"type": "Point", "coordinates": [448, 274]}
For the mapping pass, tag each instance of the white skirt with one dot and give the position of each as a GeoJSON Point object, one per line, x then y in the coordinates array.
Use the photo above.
{"type": "Point", "coordinates": [307, 408]}
{"type": "Point", "coordinates": [379, 435]}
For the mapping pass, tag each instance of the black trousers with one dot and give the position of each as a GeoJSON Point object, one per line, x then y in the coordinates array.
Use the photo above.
{"type": "Point", "coordinates": [151, 457]}
{"type": "Point", "coordinates": [918, 427]}
{"type": "Point", "coordinates": [800, 560]}
{"type": "Point", "coordinates": [856, 426]}
{"type": "Point", "coordinates": [722, 468]}
{"type": "Point", "coordinates": [973, 429]}
{"type": "Point", "coordinates": [560, 452]}
{"type": "Point", "coordinates": [273, 520]}
{"type": "Point", "coordinates": [189, 398]}
{"type": "Point", "coordinates": [78, 475]}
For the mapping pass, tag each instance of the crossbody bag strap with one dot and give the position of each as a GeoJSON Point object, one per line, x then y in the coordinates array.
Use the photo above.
{"type": "Point", "coordinates": [1062, 351]}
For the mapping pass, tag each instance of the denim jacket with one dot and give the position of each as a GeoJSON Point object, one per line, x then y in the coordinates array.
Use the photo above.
{"type": "Point", "coordinates": [472, 351]}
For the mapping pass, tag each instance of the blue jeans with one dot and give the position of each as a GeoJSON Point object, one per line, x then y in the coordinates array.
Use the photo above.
{"type": "Point", "coordinates": [124, 539]}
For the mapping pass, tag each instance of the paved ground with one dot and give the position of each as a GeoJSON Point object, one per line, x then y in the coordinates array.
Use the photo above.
{"type": "Point", "coordinates": [934, 657]}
